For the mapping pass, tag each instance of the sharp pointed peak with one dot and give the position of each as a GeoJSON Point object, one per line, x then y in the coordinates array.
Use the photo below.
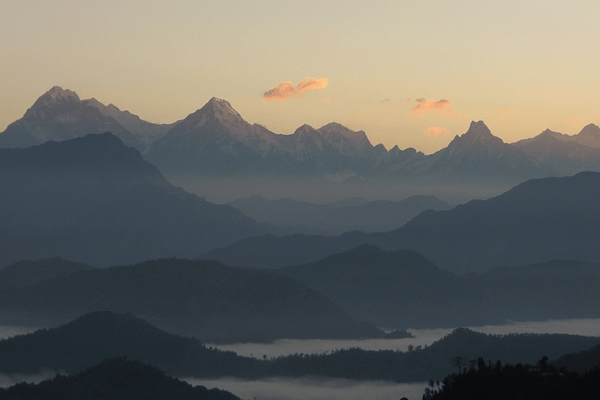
{"type": "Point", "coordinates": [220, 108]}
{"type": "Point", "coordinates": [478, 127]}
{"type": "Point", "coordinates": [478, 133]}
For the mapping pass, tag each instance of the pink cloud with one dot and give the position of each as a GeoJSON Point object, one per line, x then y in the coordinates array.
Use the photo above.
{"type": "Point", "coordinates": [425, 106]}
{"type": "Point", "coordinates": [286, 89]}
{"type": "Point", "coordinates": [437, 131]}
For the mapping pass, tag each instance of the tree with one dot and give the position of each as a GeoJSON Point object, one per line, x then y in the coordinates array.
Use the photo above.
{"type": "Point", "coordinates": [459, 363]}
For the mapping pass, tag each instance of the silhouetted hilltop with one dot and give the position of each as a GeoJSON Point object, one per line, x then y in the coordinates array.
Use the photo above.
{"type": "Point", "coordinates": [205, 299]}
{"type": "Point", "coordinates": [399, 289]}
{"type": "Point", "coordinates": [498, 382]}
{"type": "Point", "coordinates": [94, 337]}
{"type": "Point", "coordinates": [25, 273]}
{"type": "Point", "coordinates": [116, 378]}
{"type": "Point", "coordinates": [402, 289]}
{"type": "Point", "coordinates": [538, 220]}
{"type": "Point", "coordinates": [581, 361]}
{"type": "Point", "coordinates": [95, 200]}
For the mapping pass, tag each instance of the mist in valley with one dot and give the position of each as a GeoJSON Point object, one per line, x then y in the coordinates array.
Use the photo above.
{"type": "Point", "coordinates": [323, 191]}
{"type": "Point", "coordinates": [422, 337]}
{"type": "Point", "coordinates": [314, 389]}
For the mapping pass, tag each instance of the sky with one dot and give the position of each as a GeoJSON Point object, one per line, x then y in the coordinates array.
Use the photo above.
{"type": "Point", "coordinates": [408, 73]}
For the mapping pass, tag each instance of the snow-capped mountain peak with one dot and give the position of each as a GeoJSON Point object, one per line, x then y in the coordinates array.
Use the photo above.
{"type": "Point", "coordinates": [477, 135]}
{"type": "Point", "coordinates": [57, 94]}
{"type": "Point", "coordinates": [344, 139]}
{"type": "Point", "coordinates": [589, 136]}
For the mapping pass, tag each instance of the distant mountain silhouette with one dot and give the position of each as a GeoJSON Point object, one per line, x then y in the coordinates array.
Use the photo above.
{"type": "Point", "coordinates": [402, 289]}
{"type": "Point", "coordinates": [116, 378]}
{"type": "Point", "coordinates": [60, 115]}
{"type": "Point", "coordinates": [541, 219]}
{"type": "Point", "coordinates": [95, 200]}
{"type": "Point", "coordinates": [581, 361]}
{"type": "Point", "coordinates": [205, 299]}
{"type": "Point", "coordinates": [26, 273]}
{"type": "Point", "coordinates": [562, 155]}
{"type": "Point", "coordinates": [374, 216]}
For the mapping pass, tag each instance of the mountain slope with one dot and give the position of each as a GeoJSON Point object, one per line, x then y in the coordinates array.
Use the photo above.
{"type": "Point", "coordinates": [26, 273]}
{"type": "Point", "coordinates": [60, 115]}
{"type": "Point", "coordinates": [112, 379]}
{"type": "Point", "coordinates": [99, 335]}
{"type": "Point", "coordinates": [97, 201]}
{"type": "Point", "coordinates": [538, 220]}
{"type": "Point", "coordinates": [146, 132]}
{"type": "Point", "coordinates": [563, 155]}
{"type": "Point", "coordinates": [402, 289]}
{"type": "Point", "coordinates": [541, 219]}
{"type": "Point", "coordinates": [216, 141]}
{"type": "Point", "coordinates": [479, 156]}
{"type": "Point", "coordinates": [205, 299]}
{"type": "Point", "coordinates": [375, 216]}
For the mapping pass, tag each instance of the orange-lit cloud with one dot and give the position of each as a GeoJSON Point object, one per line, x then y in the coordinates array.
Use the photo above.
{"type": "Point", "coordinates": [286, 89]}
{"type": "Point", "coordinates": [424, 106]}
{"type": "Point", "coordinates": [437, 131]}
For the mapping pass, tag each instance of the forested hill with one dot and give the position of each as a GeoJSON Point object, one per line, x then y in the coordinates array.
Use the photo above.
{"type": "Point", "coordinates": [88, 340]}
{"type": "Point", "coordinates": [113, 379]}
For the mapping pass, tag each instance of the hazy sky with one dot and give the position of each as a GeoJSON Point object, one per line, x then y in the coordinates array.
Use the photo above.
{"type": "Point", "coordinates": [521, 66]}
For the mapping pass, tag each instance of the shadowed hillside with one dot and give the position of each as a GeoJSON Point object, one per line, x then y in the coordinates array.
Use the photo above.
{"type": "Point", "coordinates": [95, 200]}
{"type": "Point", "coordinates": [205, 299]}
{"type": "Point", "coordinates": [536, 221]}
{"type": "Point", "coordinates": [402, 289]}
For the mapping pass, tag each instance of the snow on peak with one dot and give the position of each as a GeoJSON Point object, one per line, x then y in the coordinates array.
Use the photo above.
{"type": "Point", "coordinates": [478, 134]}
{"type": "Point", "coordinates": [589, 136]}
{"type": "Point", "coordinates": [222, 110]}
{"type": "Point", "coordinates": [343, 138]}
{"type": "Point", "coordinates": [57, 93]}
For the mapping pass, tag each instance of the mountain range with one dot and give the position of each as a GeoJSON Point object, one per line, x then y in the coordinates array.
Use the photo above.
{"type": "Point", "coordinates": [536, 221]}
{"type": "Point", "coordinates": [215, 143]}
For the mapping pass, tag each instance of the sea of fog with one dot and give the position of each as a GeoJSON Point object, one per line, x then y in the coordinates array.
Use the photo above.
{"type": "Point", "coordinates": [314, 389]}
{"type": "Point", "coordinates": [334, 389]}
